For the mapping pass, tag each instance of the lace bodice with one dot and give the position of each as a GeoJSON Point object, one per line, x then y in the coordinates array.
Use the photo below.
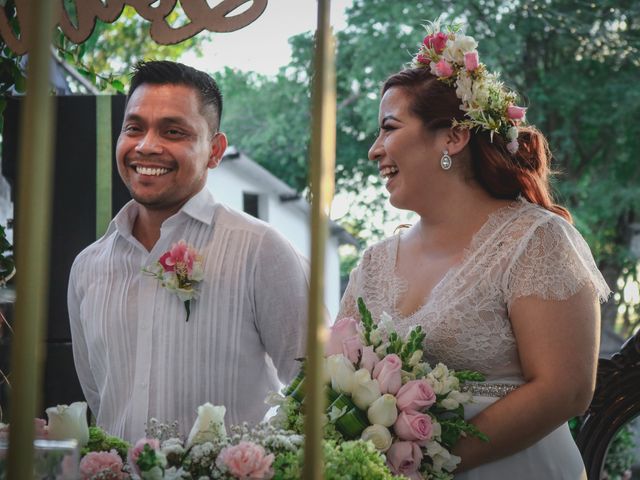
{"type": "Point", "coordinates": [521, 250]}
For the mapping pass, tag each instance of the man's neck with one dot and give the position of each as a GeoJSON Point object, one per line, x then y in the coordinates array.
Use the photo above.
{"type": "Point", "coordinates": [146, 226]}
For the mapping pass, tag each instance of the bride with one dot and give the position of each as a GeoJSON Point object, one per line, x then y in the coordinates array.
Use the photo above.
{"type": "Point", "coordinates": [494, 271]}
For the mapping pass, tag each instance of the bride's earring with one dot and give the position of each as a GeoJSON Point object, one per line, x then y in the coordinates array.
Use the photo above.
{"type": "Point", "coordinates": [445, 161]}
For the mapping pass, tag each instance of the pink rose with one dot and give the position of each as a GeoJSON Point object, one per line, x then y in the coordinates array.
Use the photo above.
{"type": "Point", "coordinates": [369, 358]}
{"type": "Point", "coordinates": [443, 69]}
{"type": "Point", "coordinates": [246, 461]}
{"type": "Point", "coordinates": [341, 330]}
{"type": "Point", "coordinates": [423, 59]}
{"type": "Point", "coordinates": [436, 41]}
{"type": "Point", "coordinates": [404, 458]}
{"type": "Point", "coordinates": [471, 61]}
{"type": "Point", "coordinates": [415, 395]}
{"type": "Point", "coordinates": [413, 426]}
{"type": "Point", "coordinates": [352, 348]}
{"type": "Point", "coordinates": [516, 113]}
{"type": "Point", "coordinates": [180, 255]}
{"type": "Point", "coordinates": [134, 452]}
{"type": "Point", "coordinates": [106, 464]}
{"type": "Point", "coordinates": [387, 372]}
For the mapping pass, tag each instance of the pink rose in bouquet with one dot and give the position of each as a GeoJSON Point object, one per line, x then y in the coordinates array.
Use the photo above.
{"type": "Point", "coordinates": [387, 372]}
{"type": "Point", "coordinates": [369, 358]}
{"type": "Point", "coordinates": [415, 395]}
{"type": "Point", "coordinates": [413, 426]}
{"type": "Point", "coordinates": [352, 349]}
{"type": "Point", "coordinates": [106, 465]}
{"type": "Point", "coordinates": [404, 458]}
{"type": "Point", "coordinates": [246, 461]}
{"type": "Point", "coordinates": [343, 329]}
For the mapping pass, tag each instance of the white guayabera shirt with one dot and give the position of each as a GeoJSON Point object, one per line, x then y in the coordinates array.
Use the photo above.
{"type": "Point", "coordinates": [135, 355]}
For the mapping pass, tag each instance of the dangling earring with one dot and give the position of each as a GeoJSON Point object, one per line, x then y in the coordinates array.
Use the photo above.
{"type": "Point", "coordinates": [445, 161]}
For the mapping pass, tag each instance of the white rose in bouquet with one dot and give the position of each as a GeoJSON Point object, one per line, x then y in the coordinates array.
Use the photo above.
{"type": "Point", "coordinates": [69, 422]}
{"type": "Point", "coordinates": [379, 435]}
{"type": "Point", "coordinates": [209, 425]}
{"type": "Point", "coordinates": [341, 371]}
{"type": "Point", "coordinates": [365, 390]}
{"type": "Point", "coordinates": [383, 411]}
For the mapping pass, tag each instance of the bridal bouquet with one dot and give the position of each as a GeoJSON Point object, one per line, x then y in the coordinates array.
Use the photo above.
{"type": "Point", "coordinates": [379, 389]}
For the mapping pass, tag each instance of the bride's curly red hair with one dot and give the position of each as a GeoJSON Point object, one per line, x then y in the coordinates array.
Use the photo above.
{"type": "Point", "coordinates": [499, 172]}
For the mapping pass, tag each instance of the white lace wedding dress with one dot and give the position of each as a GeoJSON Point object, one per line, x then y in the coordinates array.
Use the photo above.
{"type": "Point", "coordinates": [521, 250]}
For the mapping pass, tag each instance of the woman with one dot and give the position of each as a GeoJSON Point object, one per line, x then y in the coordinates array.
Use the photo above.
{"type": "Point", "coordinates": [494, 271]}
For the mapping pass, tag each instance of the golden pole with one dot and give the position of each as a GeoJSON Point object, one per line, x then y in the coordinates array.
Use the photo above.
{"type": "Point", "coordinates": [32, 245]}
{"type": "Point", "coordinates": [323, 146]}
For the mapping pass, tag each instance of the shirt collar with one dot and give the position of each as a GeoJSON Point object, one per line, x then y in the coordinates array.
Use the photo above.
{"type": "Point", "coordinates": [199, 207]}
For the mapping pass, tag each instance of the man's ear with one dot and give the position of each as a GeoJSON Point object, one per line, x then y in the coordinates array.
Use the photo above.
{"type": "Point", "coordinates": [218, 147]}
{"type": "Point", "coordinates": [457, 139]}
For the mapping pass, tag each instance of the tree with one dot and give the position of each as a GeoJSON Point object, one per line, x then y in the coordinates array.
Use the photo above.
{"type": "Point", "coordinates": [577, 62]}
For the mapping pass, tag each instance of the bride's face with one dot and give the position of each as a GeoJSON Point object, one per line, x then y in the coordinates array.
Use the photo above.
{"type": "Point", "coordinates": [408, 155]}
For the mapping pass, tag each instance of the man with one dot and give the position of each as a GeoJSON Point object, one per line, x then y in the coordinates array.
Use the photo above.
{"type": "Point", "coordinates": [136, 355]}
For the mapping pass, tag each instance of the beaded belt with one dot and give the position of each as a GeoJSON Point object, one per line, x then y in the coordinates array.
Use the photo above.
{"type": "Point", "coordinates": [482, 389]}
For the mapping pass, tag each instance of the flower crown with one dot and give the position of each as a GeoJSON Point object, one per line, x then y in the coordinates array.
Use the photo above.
{"type": "Point", "coordinates": [488, 105]}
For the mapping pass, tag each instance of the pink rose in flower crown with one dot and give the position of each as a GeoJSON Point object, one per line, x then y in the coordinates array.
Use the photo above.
{"type": "Point", "coordinates": [387, 372]}
{"type": "Point", "coordinates": [136, 451]}
{"type": "Point", "coordinates": [340, 331]}
{"type": "Point", "coordinates": [246, 461]}
{"type": "Point", "coordinates": [416, 395]}
{"type": "Point", "coordinates": [443, 69]}
{"type": "Point", "coordinates": [404, 458]}
{"type": "Point", "coordinates": [437, 41]}
{"type": "Point", "coordinates": [413, 426]}
{"type": "Point", "coordinates": [423, 59]}
{"type": "Point", "coordinates": [106, 465]}
{"type": "Point", "coordinates": [369, 358]}
{"type": "Point", "coordinates": [516, 113]}
{"type": "Point", "coordinates": [471, 61]}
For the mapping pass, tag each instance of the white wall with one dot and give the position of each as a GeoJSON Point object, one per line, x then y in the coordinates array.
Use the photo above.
{"type": "Point", "coordinates": [229, 181]}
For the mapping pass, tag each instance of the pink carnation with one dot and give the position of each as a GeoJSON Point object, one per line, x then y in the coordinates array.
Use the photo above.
{"type": "Point", "coordinates": [134, 452]}
{"type": "Point", "coordinates": [181, 255]}
{"type": "Point", "coordinates": [436, 41]}
{"type": "Point", "coordinates": [443, 69]}
{"type": "Point", "coordinates": [471, 61]}
{"type": "Point", "coordinates": [107, 464]}
{"type": "Point", "coordinates": [246, 461]}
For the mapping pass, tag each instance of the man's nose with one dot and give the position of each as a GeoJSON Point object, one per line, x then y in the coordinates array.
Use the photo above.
{"type": "Point", "coordinates": [149, 144]}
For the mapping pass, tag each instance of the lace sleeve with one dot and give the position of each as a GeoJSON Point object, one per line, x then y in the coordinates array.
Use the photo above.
{"type": "Point", "coordinates": [553, 262]}
{"type": "Point", "coordinates": [348, 303]}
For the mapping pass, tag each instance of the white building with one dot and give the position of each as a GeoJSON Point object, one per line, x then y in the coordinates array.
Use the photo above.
{"type": "Point", "coordinates": [242, 184]}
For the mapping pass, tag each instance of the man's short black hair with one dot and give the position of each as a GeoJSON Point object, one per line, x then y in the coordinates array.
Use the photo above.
{"type": "Point", "coordinates": [163, 72]}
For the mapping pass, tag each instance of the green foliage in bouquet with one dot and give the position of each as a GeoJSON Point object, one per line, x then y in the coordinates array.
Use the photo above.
{"type": "Point", "coordinates": [99, 441]}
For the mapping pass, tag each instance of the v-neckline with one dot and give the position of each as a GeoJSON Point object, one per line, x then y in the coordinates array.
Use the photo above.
{"type": "Point", "coordinates": [477, 239]}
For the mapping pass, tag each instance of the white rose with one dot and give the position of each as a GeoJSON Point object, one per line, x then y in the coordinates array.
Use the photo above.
{"type": "Point", "coordinates": [209, 426]}
{"type": "Point", "coordinates": [69, 422]}
{"type": "Point", "coordinates": [379, 436]}
{"type": "Point", "coordinates": [383, 411]}
{"type": "Point", "coordinates": [365, 390]}
{"type": "Point", "coordinates": [455, 50]}
{"type": "Point", "coordinates": [341, 372]}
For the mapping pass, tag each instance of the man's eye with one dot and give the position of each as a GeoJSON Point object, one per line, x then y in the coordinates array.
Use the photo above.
{"type": "Point", "coordinates": [175, 133]}
{"type": "Point", "coordinates": [131, 128]}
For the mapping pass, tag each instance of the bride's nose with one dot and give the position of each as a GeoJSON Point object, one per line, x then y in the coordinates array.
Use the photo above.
{"type": "Point", "coordinates": [376, 150]}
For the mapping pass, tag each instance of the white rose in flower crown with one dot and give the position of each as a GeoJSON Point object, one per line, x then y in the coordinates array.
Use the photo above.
{"type": "Point", "coordinates": [455, 49]}
{"type": "Point", "coordinates": [341, 371]}
{"type": "Point", "coordinates": [455, 398]}
{"type": "Point", "coordinates": [379, 435]}
{"type": "Point", "coordinates": [365, 390]}
{"type": "Point", "coordinates": [383, 411]}
{"type": "Point", "coordinates": [69, 422]}
{"type": "Point", "coordinates": [209, 425]}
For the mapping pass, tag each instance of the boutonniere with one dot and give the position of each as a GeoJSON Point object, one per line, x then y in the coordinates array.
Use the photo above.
{"type": "Point", "coordinates": [179, 270]}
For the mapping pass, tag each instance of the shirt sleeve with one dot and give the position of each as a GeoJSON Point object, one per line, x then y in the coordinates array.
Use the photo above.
{"type": "Point", "coordinates": [79, 345]}
{"type": "Point", "coordinates": [553, 262]}
{"type": "Point", "coordinates": [281, 302]}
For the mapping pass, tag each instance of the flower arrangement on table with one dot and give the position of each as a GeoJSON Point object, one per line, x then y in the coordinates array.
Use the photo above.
{"type": "Point", "coordinates": [379, 389]}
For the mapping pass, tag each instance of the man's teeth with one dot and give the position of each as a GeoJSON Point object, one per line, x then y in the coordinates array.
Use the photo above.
{"type": "Point", "coordinates": [388, 171]}
{"type": "Point", "coordinates": [151, 171]}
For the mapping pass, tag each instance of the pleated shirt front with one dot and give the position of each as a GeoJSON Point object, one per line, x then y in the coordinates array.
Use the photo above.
{"type": "Point", "coordinates": [137, 357]}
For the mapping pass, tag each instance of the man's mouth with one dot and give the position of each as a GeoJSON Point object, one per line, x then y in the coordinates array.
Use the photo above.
{"type": "Point", "coordinates": [151, 171]}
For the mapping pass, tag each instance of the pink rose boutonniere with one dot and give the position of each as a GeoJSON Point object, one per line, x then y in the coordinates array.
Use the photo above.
{"type": "Point", "coordinates": [179, 270]}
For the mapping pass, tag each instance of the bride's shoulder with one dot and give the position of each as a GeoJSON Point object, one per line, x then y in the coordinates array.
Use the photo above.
{"type": "Point", "coordinates": [381, 251]}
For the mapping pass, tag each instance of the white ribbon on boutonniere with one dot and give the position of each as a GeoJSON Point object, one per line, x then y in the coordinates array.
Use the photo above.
{"type": "Point", "coordinates": [179, 270]}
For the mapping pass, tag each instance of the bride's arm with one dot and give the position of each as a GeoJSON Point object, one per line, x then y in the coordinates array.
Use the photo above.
{"type": "Point", "coordinates": [558, 346]}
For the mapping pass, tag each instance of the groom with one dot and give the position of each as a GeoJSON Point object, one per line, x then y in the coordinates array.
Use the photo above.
{"type": "Point", "coordinates": [136, 355]}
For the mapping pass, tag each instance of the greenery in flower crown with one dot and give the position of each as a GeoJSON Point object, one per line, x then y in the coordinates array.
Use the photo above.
{"type": "Point", "coordinates": [488, 104]}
